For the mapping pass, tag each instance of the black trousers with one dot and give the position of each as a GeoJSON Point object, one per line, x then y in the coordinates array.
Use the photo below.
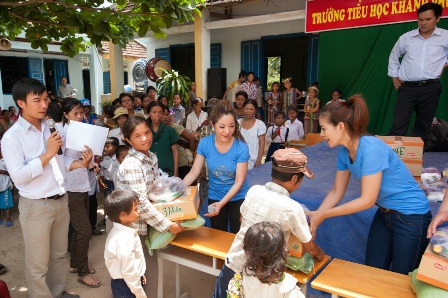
{"type": "Point", "coordinates": [229, 215]}
{"type": "Point", "coordinates": [421, 99]}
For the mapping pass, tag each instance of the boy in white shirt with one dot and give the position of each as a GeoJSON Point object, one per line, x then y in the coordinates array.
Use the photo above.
{"type": "Point", "coordinates": [277, 134]}
{"type": "Point", "coordinates": [295, 125]}
{"type": "Point", "coordinates": [123, 253]}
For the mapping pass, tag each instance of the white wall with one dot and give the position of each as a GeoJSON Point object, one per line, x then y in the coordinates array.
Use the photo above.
{"type": "Point", "coordinates": [231, 39]}
{"type": "Point", "coordinates": [74, 67]}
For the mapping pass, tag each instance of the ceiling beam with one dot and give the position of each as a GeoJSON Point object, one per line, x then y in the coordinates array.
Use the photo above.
{"type": "Point", "coordinates": [257, 20]}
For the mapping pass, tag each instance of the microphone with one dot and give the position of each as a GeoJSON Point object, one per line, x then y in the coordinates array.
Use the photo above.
{"type": "Point", "coordinates": [50, 123]}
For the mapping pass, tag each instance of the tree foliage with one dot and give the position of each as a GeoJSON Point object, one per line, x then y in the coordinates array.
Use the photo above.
{"type": "Point", "coordinates": [77, 23]}
{"type": "Point", "coordinates": [274, 68]}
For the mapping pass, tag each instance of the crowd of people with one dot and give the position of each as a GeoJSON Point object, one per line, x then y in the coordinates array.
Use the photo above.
{"type": "Point", "coordinates": [151, 134]}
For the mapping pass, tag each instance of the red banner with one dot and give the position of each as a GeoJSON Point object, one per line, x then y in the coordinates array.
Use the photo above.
{"type": "Point", "coordinates": [325, 15]}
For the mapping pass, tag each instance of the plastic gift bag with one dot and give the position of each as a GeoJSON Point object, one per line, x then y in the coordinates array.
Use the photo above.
{"type": "Point", "coordinates": [439, 241]}
{"type": "Point", "coordinates": [156, 239]}
{"type": "Point", "coordinates": [166, 189]}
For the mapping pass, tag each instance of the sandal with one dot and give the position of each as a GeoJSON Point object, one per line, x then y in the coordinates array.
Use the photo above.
{"type": "Point", "coordinates": [8, 224]}
{"type": "Point", "coordinates": [94, 285]}
{"type": "Point", "coordinates": [75, 270]}
{"type": "Point", "coordinates": [3, 269]}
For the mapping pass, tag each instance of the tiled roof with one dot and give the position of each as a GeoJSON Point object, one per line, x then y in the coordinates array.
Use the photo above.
{"type": "Point", "coordinates": [133, 49]}
{"type": "Point", "coordinates": [221, 2]}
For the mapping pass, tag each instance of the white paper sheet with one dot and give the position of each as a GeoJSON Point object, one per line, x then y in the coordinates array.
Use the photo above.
{"type": "Point", "coordinates": [80, 134]}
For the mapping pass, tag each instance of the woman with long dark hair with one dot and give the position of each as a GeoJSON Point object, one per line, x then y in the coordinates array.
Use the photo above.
{"type": "Point", "coordinates": [227, 156]}
{"type": "Point", "coordinates": [397, 236]}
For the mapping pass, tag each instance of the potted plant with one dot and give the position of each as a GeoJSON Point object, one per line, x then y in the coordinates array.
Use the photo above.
{"type": "Point", "coordinates": [171, 82]}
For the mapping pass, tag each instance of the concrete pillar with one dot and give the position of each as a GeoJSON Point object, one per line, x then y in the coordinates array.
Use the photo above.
{"type": "Point", "coordinates": [201, 53]}
{"type": "Point", "coordinates": [116, 70]}
{"type": "Point", "coordinates": [96, 79]}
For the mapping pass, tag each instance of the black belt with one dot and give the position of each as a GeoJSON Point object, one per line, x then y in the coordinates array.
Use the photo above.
{"type": "Point", "coordinates": [420, 83]}
{"type": "Point", "coordinates": [55, 197]}
{"type": "Point", "coordinates": [387, 210]}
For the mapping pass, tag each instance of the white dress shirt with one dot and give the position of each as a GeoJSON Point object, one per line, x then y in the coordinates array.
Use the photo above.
{"type": "Point", "coordinates": [279, 138]}
{"type": "Point", "coordinates": [109, 167]}
{"type": "Point", "coordinates": [422, 58]}
{"type": "Point", "coordinates": [22, 145]}
{"type": "Point", "coordinates": [123, 255]}
{"type": "Point", "coordinates": [78, 179]}
{"type": "Point", "coordinates": [117, 134]}
{"type": "Point", "coordinates": [193, 121]}
{"type": "Point", "coordinates": [295, 129]}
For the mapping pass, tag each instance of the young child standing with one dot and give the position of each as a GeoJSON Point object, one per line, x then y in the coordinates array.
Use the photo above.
{"type": "Point", "coordinates": [109, 165]}
{"type": "Point", "coordinates": [178, 109]}
{"type": "Point", "coordinates": [312, 110]}
{"type": "Point", "coordinates": [123, 253]}
{"type": "Point", "coordinates": [277, 134]}
{"type": "Point", "coordinates": [274, 101]}
{"type": "Point", "coordinates": [290, 95]}
{"type": "Point", "coordinates": [295, 125]}
{"type": "Point", "coordinates": [264, 266]}
{"type": "Point", "coordinates": [6, 199]}
{"type": "Point", "coordinates": [272, 202]}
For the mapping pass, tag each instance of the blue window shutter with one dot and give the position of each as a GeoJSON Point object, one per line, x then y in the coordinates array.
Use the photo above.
{"type": "Point", "coordinates": [313, 51]}
{"type": "Point", "coordinates": [35, 69]}
{"type": "Point", "coordinates": [60, 68]}
{"type": "Point", "coordinates": [164, 53]}
{"type": "Point", "coordinates": [215, 55]}
{"type": "Point", "coordinates": [106, 82]}
{"type": "Point", "coordinates": [252, 56]}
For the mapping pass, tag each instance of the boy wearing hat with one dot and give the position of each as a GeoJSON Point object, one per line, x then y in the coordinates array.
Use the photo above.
{"type": "Point", "coordinates": [120, 116]}
{"type": "Point", "coordinates": [272, 202]}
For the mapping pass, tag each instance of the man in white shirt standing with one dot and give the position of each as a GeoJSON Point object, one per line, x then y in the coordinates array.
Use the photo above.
{"type": "Point", "coordinates": [31, 154]}
{"type": "Point", "coordinates": [65, 90]}
{"type": "Point", "coordinates": [424, 53]}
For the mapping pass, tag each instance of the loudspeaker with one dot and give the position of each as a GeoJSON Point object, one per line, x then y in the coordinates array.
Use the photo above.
{"type": "Point", "coordinates": [216, 82]}
{"type": "Point", "coordinates": [5, 44]}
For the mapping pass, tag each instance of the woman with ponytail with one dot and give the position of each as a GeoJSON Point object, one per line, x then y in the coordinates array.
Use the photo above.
{"type": "Point", "coordinates": [227, 156]}
{"type": "Point", "coordinates": [397, 236]}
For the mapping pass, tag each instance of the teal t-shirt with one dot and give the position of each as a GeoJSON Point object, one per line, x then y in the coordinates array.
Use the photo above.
{"type": "Point", "coordinates": [399, 190]}
{"type": "Point", "coordinates": [222, 167]}
{"type": "Point", "coordinates": [161, 146]}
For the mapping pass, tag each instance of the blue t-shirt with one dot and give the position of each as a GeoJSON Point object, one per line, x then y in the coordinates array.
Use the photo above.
{"type": "Point", "coordinates": [222, 167]}
{"type": "Point", "coordinates": [399, 190]}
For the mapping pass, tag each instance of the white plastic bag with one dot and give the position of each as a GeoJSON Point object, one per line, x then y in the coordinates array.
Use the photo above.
{"type": "Point", "coordinates": [166, 189]}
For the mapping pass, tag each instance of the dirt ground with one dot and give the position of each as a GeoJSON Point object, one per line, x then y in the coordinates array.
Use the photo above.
{"type": "Point", "coordinates": [197, 284]}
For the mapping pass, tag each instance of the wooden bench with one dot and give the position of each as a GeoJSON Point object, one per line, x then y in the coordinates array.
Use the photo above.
{"type": "Point", "coordinates": [348, 279]}
{"type": "Point", "coordinates": [205, 249]}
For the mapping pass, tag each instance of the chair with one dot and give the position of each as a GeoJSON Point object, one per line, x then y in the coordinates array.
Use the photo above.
{"type": "Point", "coordinates": [298, 144]}
{"type": "Point", "coordinates": [313, 138]}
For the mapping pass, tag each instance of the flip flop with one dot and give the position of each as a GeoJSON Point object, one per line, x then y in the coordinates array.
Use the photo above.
{"type": "Point", "coordinates": [74, 270]}
{"type": "Point", "coordinates": [3, 269]}
{"type": "Point", "coordinates": [89, 285]}
{"type": "Point", "coordinates": [8, 224]}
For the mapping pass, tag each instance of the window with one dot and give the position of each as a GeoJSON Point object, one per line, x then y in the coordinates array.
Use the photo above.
{"type": "Point", "coordinates": [12, 70]}
{"type": "Point", "coordinates": [274, 67]}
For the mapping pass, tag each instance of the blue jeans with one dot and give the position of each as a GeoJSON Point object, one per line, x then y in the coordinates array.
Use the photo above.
{"type": "Point", "coordinates": [397, 241]}
{"type": "Point", "coordinates": [222, 283]}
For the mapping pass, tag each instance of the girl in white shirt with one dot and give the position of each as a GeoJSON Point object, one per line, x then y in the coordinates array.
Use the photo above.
{"type": "Point", "coordinates": [264, 267]}
{"type": "Point", "coordinates": [78, 187]}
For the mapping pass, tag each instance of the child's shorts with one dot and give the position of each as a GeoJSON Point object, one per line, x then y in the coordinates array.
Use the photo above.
{"type": "Point", "coordinates": [6, 199]}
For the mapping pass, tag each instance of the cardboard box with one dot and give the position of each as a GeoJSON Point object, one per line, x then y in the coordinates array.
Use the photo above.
{"type": "Point", "coordinates": [295, 247]}
{"type": "Point", "coordinates": [184, 207]}
{"type": "Point", "coordinates": [433, 269]}
{"type": "Point", "coordinates": [414, 166]}
{"type": "Point", "coordinates": [405, 147]}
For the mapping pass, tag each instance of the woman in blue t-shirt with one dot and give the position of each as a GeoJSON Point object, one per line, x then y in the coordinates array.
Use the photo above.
{"type": "Point", "coordinates": [397, 236]}
{"type": "Point", "coordinates": [227, 157]}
